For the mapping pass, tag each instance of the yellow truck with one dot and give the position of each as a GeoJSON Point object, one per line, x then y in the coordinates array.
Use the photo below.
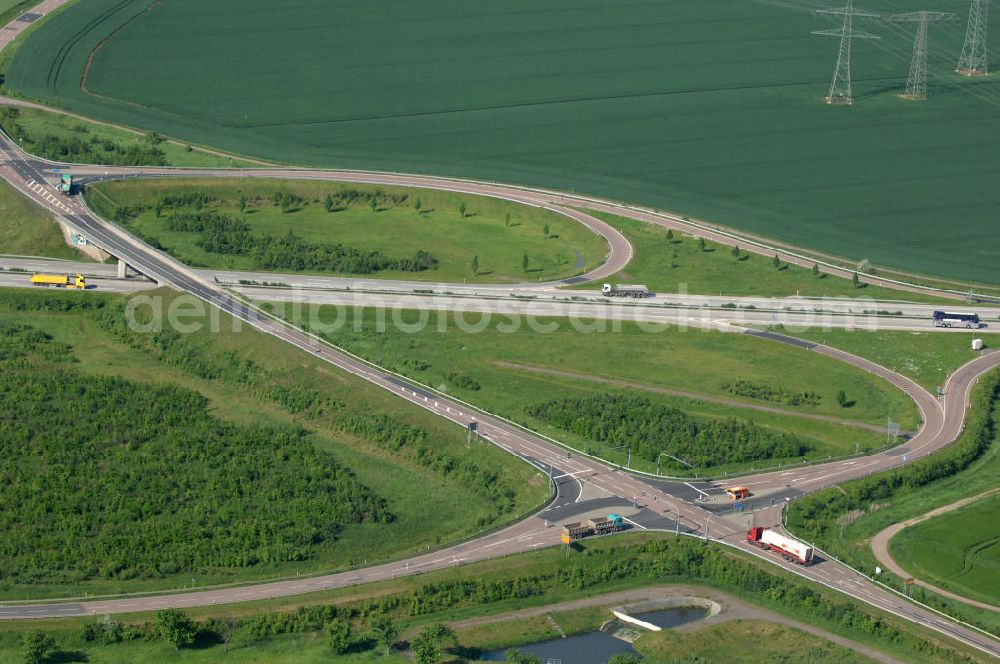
{"type": "Point", "coordinates": [59, 281]}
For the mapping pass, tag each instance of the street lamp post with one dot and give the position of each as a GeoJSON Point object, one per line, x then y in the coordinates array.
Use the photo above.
{"type": "Point", "coordinates": [671, 456]}
{"type": "Point", "coordinates": [628, 453]}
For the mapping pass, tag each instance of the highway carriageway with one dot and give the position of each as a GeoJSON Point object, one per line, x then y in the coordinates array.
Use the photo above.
{"type": "Point", "coordinates": [697, 311]}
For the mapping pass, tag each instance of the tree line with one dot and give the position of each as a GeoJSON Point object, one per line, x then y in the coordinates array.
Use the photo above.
{"type": "Point", "coordinates": [651, 429]}
{"type": "Point", "coordinates": [377, 621]}
{"type": "Point", "coordinates": [227, 235]}
{"type": "Point", "coordinates": [105, 478]}
{"type": "Point", "coordinates": [94, 150]}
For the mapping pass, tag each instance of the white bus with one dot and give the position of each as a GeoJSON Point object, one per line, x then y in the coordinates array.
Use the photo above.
{"type": "Point", "coordinates": [954, 319]}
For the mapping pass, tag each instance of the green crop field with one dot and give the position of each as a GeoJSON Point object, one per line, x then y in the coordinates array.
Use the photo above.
{"type": "Point", "coordinates": [396, 222]}
{"type": "Point", "coordinates": [512, 369]}
{"type": "Point", "coordinates": [959, 551]}
{"type": "Point", "coordinates": [236, 387]}
{"type": "Point", "coordinates": [714, 109]}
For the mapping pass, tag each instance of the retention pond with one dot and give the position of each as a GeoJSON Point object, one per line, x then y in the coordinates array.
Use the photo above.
{"type": "Point", "coordinates": [599, 646]}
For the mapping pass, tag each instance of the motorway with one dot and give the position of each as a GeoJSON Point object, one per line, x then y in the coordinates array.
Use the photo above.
{"type": "Point", "coordinates": [584, 484]}
{"type": "Point", "coordinates": [727, 314]}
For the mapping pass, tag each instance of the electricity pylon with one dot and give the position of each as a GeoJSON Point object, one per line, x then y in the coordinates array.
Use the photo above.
{"type": "Point", "coordinates": [916, 82]}
{"type": "Point", "coordinates": [972, 62]}
{"type": "Point", "coordinates": [840, 87]}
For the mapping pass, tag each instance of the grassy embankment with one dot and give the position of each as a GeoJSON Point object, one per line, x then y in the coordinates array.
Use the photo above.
{"type": "Point", "coordinates": [843, 520]}
{"type": "Point", "coordinates": [957, 551]}
{"type": "Point", "coordinates": [510, 373]}
{"type": "Point", "coordinates": [252, 380]}
{"type": "Point", "coordinates": [277, 631]}
{"type": "Point", "coordinates": [926, 357]}
{"type": "Point", "coordinates": [395, 222]}
{"type": "Point", "coordinates": [680, 265]}
{"type": "Point", "coordinates": [11, 9]}
{"type": "Point", "coordinates": [28, 230]}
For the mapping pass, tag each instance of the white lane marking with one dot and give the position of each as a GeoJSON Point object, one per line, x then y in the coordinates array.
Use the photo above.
{"type": "Point", "coordinates": [579, 496]}
{"type": "Point", "coordinates": [637, 525]}
{"type": "Point", "coordinates": [696, 489]}
{"type": "Point", "coordinates": [557, 477]}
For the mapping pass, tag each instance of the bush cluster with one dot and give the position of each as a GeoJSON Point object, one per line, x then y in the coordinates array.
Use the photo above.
{"type": "Point", "coordinates": [227, 235]}
{"type": "Point", "coordinates": [623, 419]}
{"type": "Point", "coordinates": [412, 443]}
{"type": "Point", "coordinates": [742, 387]}
{"type": "Point", "coordinates": [463, 381]}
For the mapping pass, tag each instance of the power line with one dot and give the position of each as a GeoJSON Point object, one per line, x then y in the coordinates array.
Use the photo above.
{"type": "Point", "coordinates": [916, 81]}
{"type": "Point", "coordinates": [972, 61]}
{"type": "Point", "coordinates": [840, 86]}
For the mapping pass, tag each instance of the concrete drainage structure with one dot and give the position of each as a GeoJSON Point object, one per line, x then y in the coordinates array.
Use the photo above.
{"type": "Point", "coordinates": [625, 613]}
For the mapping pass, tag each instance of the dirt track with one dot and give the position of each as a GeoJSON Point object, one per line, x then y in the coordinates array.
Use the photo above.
{"type": "Point", "coordinates": [880, 547]}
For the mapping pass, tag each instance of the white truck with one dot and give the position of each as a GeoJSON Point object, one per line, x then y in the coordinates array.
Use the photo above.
{"type": "Point", "coordinates": [786, 547]}
{"type": "Point", "coordinates": [621, 290]}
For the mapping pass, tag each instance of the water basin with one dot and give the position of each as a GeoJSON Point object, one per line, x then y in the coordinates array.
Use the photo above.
{"type": "Point", "coordinates": [673, 617]}
{"type": "Point", "coordinates": [590, 648]}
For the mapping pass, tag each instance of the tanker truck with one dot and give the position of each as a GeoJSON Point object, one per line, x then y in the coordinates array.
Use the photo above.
{"type": "Point", "coordinates": [621, 290]}
{"type": "Point", "coordinates": [786, 547]}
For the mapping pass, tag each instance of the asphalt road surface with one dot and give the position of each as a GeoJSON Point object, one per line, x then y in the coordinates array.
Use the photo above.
{"type": "Point", "coordinates": [726, 314]}
{"type": "Point", "coordinates": [306, 283]}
